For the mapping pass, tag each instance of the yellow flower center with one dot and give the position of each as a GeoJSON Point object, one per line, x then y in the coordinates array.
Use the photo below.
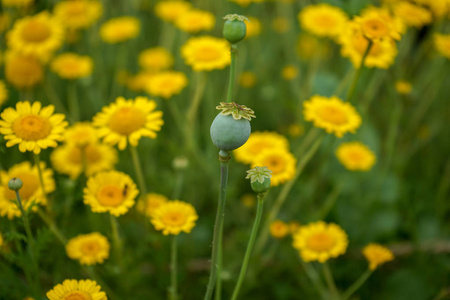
{"type": "Point", "coordinates": [30, 186]}
{"type": "Point", "coordinates": [207, 53]}
{"type": "Point", "coordinates": [275, 163]}
{"type": "Point", "coordinates": [110, 195]}
{"type": "Point", "coordinates": [127, 120]}
{"type": "Point", "coordinates": [77, 295]}
{"type": "Point", "coordinates": [90, 248]}
{"type": "Point", "coordinates": [320, 242]}
{"type": "Point", "coordinates": [174, 218]}
{"type": "Point", "coordinates": [32, 128]}
{"type": "Point", "coordinates": [35, 31]}
{"type": "Point", "coordinates": [332, 114]}
{"type": "Point", "coordinates": [355, 156]}
{"type": "Point", "coordinates": [375, 28]}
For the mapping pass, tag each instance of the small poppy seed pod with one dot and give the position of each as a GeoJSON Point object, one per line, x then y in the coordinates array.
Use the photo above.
{"type": "Point", "coordinates": [259, 179]}
{"type": "Point", "coordinates": [259, 187]}
{"type": "Point", "coordinates": [15, 184]}
{"type": "Point", "coordinates": [234, 29]}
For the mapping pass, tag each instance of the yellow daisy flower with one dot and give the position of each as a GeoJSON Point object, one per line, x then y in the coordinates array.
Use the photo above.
{"type": "Point", "coordinates": [279, 229]}
{"type": "Point", "coordinates": [323, 20]}
{"type": "Point", "coordinates": [70, 159]}
{"type": "Point", "coordinates": [78, 14]}
{"type": "Point", "coordinates": [247, 79]}
{"type": "Point", "coordinates": [138, 82]}
{"type": "Point", "coordinates": [355, 156]}
{"type": "Point", "coordinates": [353, 45]}
{"type": "Point", "coordinates": [377, 255]}
{"type": "Point", "coordinates": [155, 59]}
{"type": "Point", "coordinates": [257, 142]}
{"type": "Point", "coordinates": [412, 14]}
{"type": "Point", "coordinates": [39, 35]}
{"type": "Point", "coordinates": [442, 44]}
{"type": "Point", "coordinates": [89, 249]}
{"type": "Point", "coordinates": [81, 134]}
{"type": "Point", "coordinates": [332, 114]}
{"type": "Point", "coordinates": [206, 53]}
{"type": "Point", "coordinates": [72, 66]}
{"type": "Point", "coordinates": [120, 29]}
{"type": "Point", "coordinates": [111, 191]}
{"type": "Point", "coordinates": [289, 72]}
{"type": "Point", "coordinates": [127, 121]}
{"type": "Point", "coordinates": [150, 203]}
{"type": "Point", "coordinates": [280, 161]}
{"type": "Point", "coordinates": [377, 23]}
{"type": "Point", "coordinates": [23, 71]}
{"type": "Point", "coordinates": [403, 87]}
{"type": "Point", "coordinates": [76, 289]}
{"type": "Point", "coordinates": [17, 3]}
{"type": "Point", "coordinates": [170, 10]}
{"type": "Point", "coordinates": [31, 191]}
{"type": "Point", "coordinates": [173, 217]}
{"type": "Point", "coordinates": [3, 92]}
{"type": "Point", "coordinates": [319, 241]}
{"type": "Point", "coordinates": [195, 20]}
{"type": "Point", "coordinates": [4, 21]}
{"type": "Point", "coordinates": [31, 126]}
{"type": "Point", "coordinates": [166, 84]}
{"type": "Point", "coordinates": [253, 27]}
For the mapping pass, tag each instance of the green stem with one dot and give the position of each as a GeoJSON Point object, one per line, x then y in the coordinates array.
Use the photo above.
{"type": "Point", "coordinates": [37, 162]}
{"type": "Point", "coordinates": [193, 109]}
{"type": "Point", "coordinates": [92, 274]}
{"type": "Point", "coordinates": [352, 88]}
{"type": "Point", "coordinates": [74, 106]}
{"type": "Point", "coordinates": [233, 51]}
{"type": "Point", "coordinates": [315, 279]}
{"type": "Point", "coordinates": [120, 64]}
{"type": "Point", "coordinates": [116, 239]}
{"type": "Point", "coordinates": [53, 228]}
{"type": "Point", "coordinates": [173, 269]}
{"type": "Point", "coordinates": [218, 226]}
{"type": "Point", "coordinates": [329, 203]}
{"type": "Point", "coordinates": [250, 245]}
{"type": "Point", "coordinates": [285, 192]}
{"type": "Point", "coordinates": [330, 281]}
{"type": "Point", "coordinates": [138, 170]}
{"type": "Point", "coordinates": [357, 284]}
{"type": "Point", "coordinates": [218, 288]}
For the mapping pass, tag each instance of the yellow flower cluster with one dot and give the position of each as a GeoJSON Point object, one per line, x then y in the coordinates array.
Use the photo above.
{"type": "Point", "coordinates": [206, 53]}
{"type": "Point", "coordinates": [355, 156]}
{"type": "Point", "coordinates": [150, 203]}
{"type": "Point", "coordinates": [78, 14]}
{"type": "Point", "coordinates": [72, 65]}
{"type": "Point", "coordinates": [88, 249]}
{"type": "Point", "coordinates": [76, 289]}
{"type": "Point", "coordinates": [377, 255]}
{"type": "Point", "coordinates": [120, 29]}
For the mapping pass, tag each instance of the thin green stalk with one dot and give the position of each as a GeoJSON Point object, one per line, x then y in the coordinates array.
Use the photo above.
{"type": "Point", "coordinates": [352, 88]}
{"type": "Point", "coordinates": [330, 280]}
{"type": "Point", "coordinates": [117, 242]}
{"type": "Point", "coordinates": [53, 228]}
{"type": "Point", "coordinates": [92, 274]}
{"type": "Point", "coordinates": [315, 279]}
{"type": "Point", "coordinates": [138, 170]}
{"type": "Point", "coordinates": [173, 269]}
{"type": "Point", "coordinates": [53, 98]}
{"type": "Point", "coordinates": [285, 192]}
{"type": "Point", "coordinates": [121, 59]}
{"type": "Point", "coordinates": [329, 203]}
{"type": "Point", "coordinates": [233, 51]}
{"type": "Point", "coordinates": [218, 288]}
{"type": "Point", "coordinates": [357, 284]}
{"type": "Point", "coordinates": [250, 245]}
{"type": "Point", "coordinates": [218, 226]}
{"type": "Point", "coordinates": [37, 162]}
{"type": "Point", "coordinates": [193, 109]}
{"type": "Point", "coordinates": [74, 106]}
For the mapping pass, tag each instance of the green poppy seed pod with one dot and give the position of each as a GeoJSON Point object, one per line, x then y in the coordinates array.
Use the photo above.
{"type": "Point", "coordinates": [15, 184]}
{"type": "Point", "coordinates": [234, 30]}
{"type": "Point", "coordinates": [228, 133]}
{"type": "Point", "coordinates": [259, 187]}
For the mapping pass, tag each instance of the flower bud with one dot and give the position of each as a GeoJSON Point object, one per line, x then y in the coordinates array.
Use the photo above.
{"type": "Point", "coordinates": [15, 184]}
{"type": "Point", "coordinates": [234, 29]}
{"type": "Point", "coordinates": [259, 179]}
{"type": "Point", "coordinates": [259, 187]}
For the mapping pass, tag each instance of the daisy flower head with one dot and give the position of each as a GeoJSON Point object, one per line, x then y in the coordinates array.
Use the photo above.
{"type": "Point", "coordinates": [279, 229]}
{"type": "Point", "coordinates": [155, 59]}
{"type": "Point", "coordinates": [31, 191]}
{"type": "Point", "coordinates": [442, 44]}
{"type": "Point", "coordinates": [412, 14]}
{"type": "Point", "coordinates": [110, 191]}
{"type": "Point", "coordinates": [150, 203]}
{"type": "Point", "coordinates": [72, 160]}
{"type": "Point", "coordinates": [3, 92]}
{"type": "Point", "coordinates": [23, 71]}
{"type": "Point", "coordinates": [173, 217]}
{"type": "Point", "coordinates": [257, 142]}
{"type": "Point", "coordinates": [280, 161]}
{"type": "Point", "coordinates": [167, 84]}
{"type": "Point", "coordinates": [323, 20]}
{"type": "Point", "coordinates": [319, 241]}
{"type": "Point", "coordinates": [253, 26]}
{"type": "Point", "coordinates": [72, 66]}
{"type": "Point", "coordinates": [126, 121]}
{"type": "Point", "coordinates": [39, 36]}
{"type": "Point", "coordinates": [170, 10]}
{"type": "Point", "coordinates": [377, 24]}
{"type": "Point", "coordinates": [139, 81]}
{"type": "Point", "coordinates": [355, 156]}
{"type": "Point", "coordinates": [32, 126]}
{"type": "Point", "coordinates": [88, 249]}
{"type": "Point", "coordinates": [81, 134]}
{"type": "Point", "coordinates": [403, 87]}
{"type": "Point", "coordinates": [332, 114]}
{"type": "Point", "coordinates": [195, 20]}
{"type": "Point", "coordinates": [77, 289]}
{"type": "Point", "coordinates": [78, 14]}
{"type": "Point", "coordinates": [206, 53]}
{"type": "Point", "coordinates": [377, 255]}
{"type": "Point", "coordinates": [120, 29]}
